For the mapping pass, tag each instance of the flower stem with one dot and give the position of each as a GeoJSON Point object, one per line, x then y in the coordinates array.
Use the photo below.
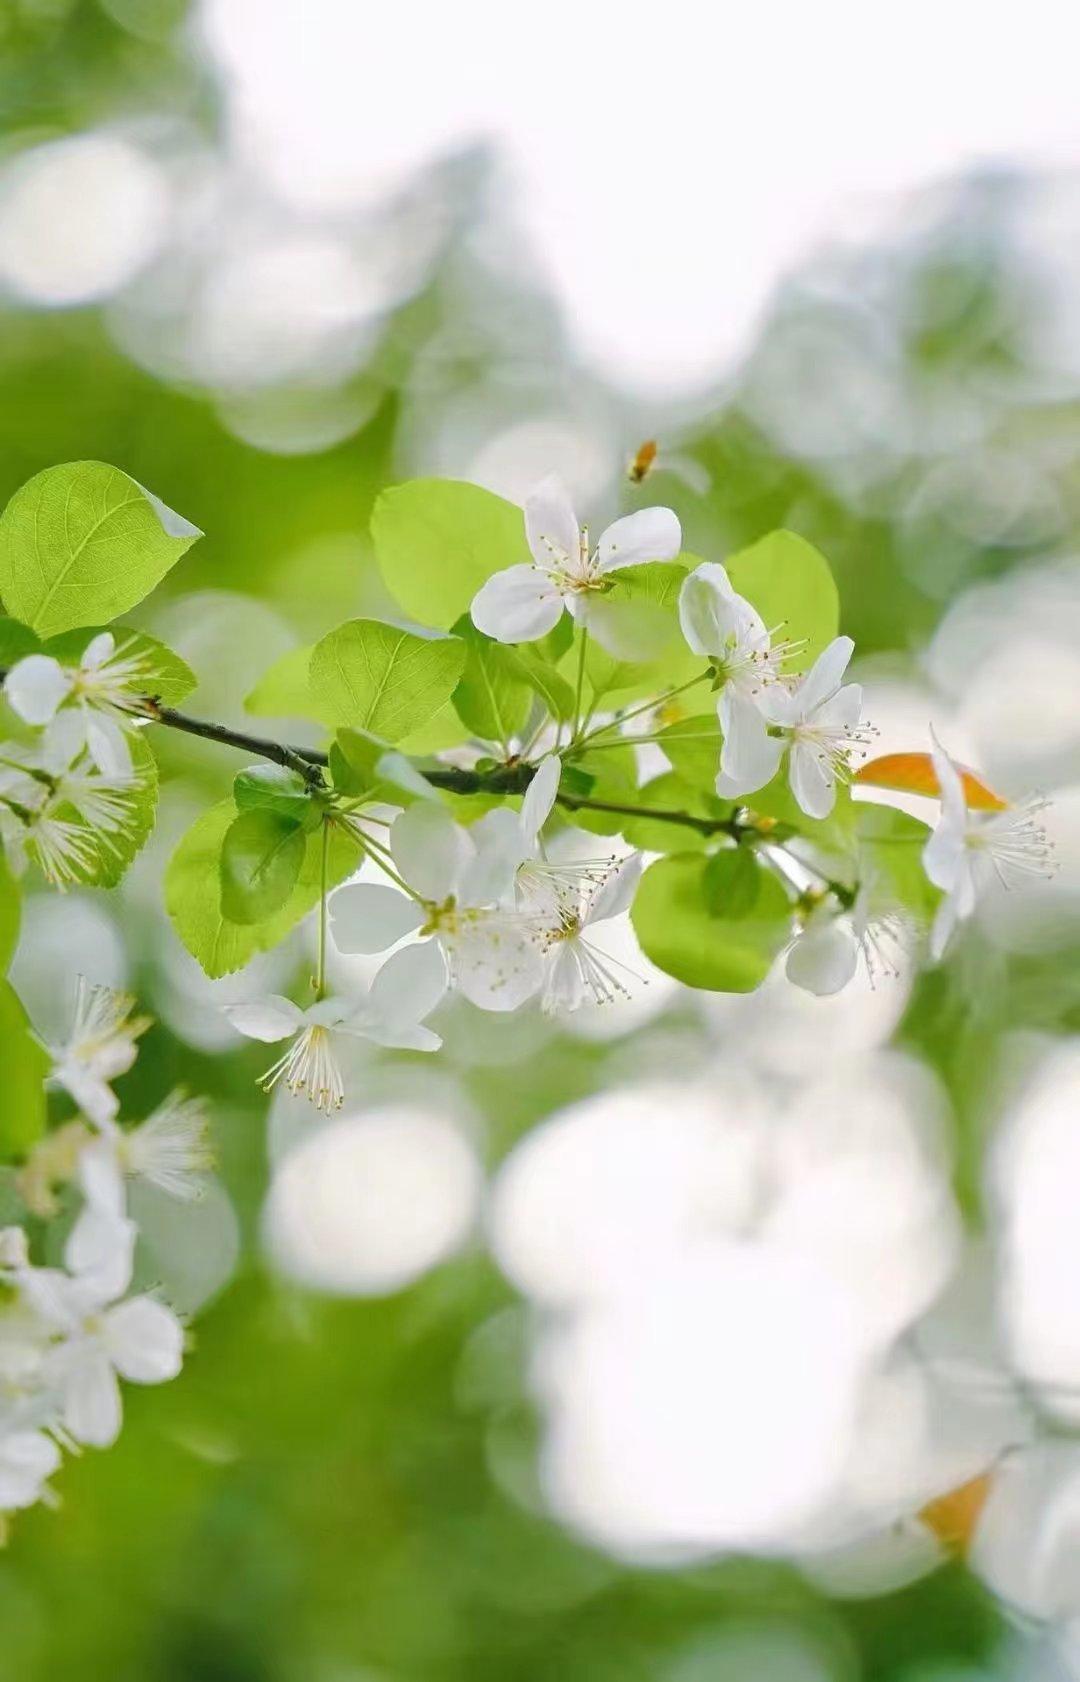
{"type": "Point", "coordinates": [320, 978]}
{"type": "Point", "coordinates": [580, 685]}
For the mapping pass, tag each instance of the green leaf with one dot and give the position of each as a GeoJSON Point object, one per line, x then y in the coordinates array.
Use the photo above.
{"type": "Point", "coordinates": [16, 641]}
{"type": "Point", "coordinates": [681, 935]}
{"type": "Point", "coordinates": [891, 845]}
{"type": "Point", "coordinates": [10, 913]}
{"type": "Point", "coordinates": [362, 765]}
{"type": "Point", "coordinates": [261, 857]}
{"type": "Point", "coordinates": [193, 899]}
{"type": "Point", "coordinates": [82, 543]}
{"type": "Point", "coordinates": [669, 791]}
{"type": "Point", "coordinates": [438, 540]}
{"type": "Point", "coordinates": [613, 775]}
{"type": "Point", "coordinates": [693, 747]}
{"type": "Point", "coordinates": [732, 883]}
{"type": "Point", "coordinates": [22, 1092]}
{"type": "Point", "coordinates": [790, 584]}
{"type": "Point", "coordinates": [169, 679]}
{"type": "Point", "coordinates": [553, 689]}
{"type": "Point", "coordinates": [284, 690]}
{"type": "Point", "coordinates": [493, 698]}
{"type": "Point", "coordinates": [380, 678]}
{"type": "Point", "coordinates": [276, 788]}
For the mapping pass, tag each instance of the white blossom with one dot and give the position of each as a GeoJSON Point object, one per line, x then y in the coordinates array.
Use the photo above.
{"type": "Point", "coordinates": [578, 972]}
{"type": "Point", "coordinates": [96, 703]}
{"type": "Point", "coordinates": [825, 954]}
{"type": "Point", "coordinates": [101, 1046]}
{"type": "Point", "coordinates": [168, 1150]}
{"type": "Point", "coordinates": [403, 993]}
{"type": "Point", "coordinates": [815, 723]}
{"type": "Point", "coordinates": [468, 940]}
{"type": "Point", "coordinates": [99, 1335]}
{"type": "Point", "coordinates": [512, 866]}
{"type": "Point", "coordinates": [524, 602]}
{"type": "Point", "coordinates": [968, 851]}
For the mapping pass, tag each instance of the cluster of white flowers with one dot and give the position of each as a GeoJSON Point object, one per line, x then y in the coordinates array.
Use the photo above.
{"type": "Point", "coordinates": [769, 720]}
{"type": "Point", "coordinates": [68, 1334]}
{"type": "Point", "coordinates": [68, 795]}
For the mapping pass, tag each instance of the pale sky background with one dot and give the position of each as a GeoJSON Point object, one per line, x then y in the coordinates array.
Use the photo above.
{"type": "Point", "coordinates": [667, 162]}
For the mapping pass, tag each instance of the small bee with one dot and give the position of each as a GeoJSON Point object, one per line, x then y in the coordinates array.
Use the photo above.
{"type": "Point", "coordinates": [642, 463]}
{"type": "Point", "coordinates": [649, 459]}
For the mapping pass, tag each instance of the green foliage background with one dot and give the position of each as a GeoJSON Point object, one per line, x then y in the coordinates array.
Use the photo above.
{"type": "Point", "coordinates": [322, 1496]}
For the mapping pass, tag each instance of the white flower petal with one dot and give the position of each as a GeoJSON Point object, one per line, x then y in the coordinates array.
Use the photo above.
{"type": "Point", "coordinates": [97, 651]}
{"type": "Point", "coordinates": [551, 527]}
{"type": "Point", "coordinates": [100, 1178]}
{"type": "Point", "coordinates": [540, 796]}
{"type": "Point", "coordinates": [268, 1019]}
{"type": "Point", "coordinates": [519, 604]}
{"type": "Point", "coordinates": [711, 613]}
{"type": "Point", "coordinates": [495, 965]}
{"type": "Point", "coordinates": [617, 893]}
{"type": "Point", "coordinates": [27, 1458]}
{"type": "Point", "coordinates": [64, 739]}
{"type": "Point", "coordinates": [825, 675]}
{"type": "Point", "coordinates": [954, 811]}
{"type": "Point", "coordinates": [107, 743]}
{"type": "Point", "coordinates": [823, 959]}
{"type": "Point", "coordinates": [35, 687]}
{"type": "Point", "coordinates": [652, 534]}
{"type": "Point", "coordinates": [100, 1252]}
{"type": "Point", "coordinates": [430, 851]}
{"type": "Point", "coordinates": [144, 1340]}
{"type": "Point", "coordinates": [409, 985]}
{"type": "Point", "coordinates": [368, 917]}
{"type": "Point", "coordinates": [843, 708]}
{"type": "Point", "coordinates": [812, 780]}
{"type": "Point", "coordinates": [91, 1397]}
{"type": "Point", "coordinates": [749, 756]}
{"type": "Point", "coordinates": [501, 846]}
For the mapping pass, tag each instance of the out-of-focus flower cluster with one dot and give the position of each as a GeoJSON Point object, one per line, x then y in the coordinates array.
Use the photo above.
{"type": "Point", "coordinates": [70, 1332]}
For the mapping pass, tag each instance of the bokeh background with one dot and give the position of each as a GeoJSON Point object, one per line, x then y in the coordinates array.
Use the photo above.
{"type": "Point", "coordinates": [624, 1349]}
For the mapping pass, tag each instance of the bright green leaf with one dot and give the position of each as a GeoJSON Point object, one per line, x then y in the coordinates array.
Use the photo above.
{"type": "Point", "coordinates": [193, 899]}
{"type": "Point", "coordinates": [790, 584]}
{"type": "Point", "coordinates": [669, 792]}
{"type": "Point", "coordinates": [693, 747]}
{"type": "Point", "coordinates": [275, 787]}
{"type": "Point", "coordinates": [492, 697]}
{"type": "Point", "coordinates": [116, 850]}
{"type": "Point", "coordinates": [438, 540]}
{"type": "Point", "coordinates": [261, 856]}
{"type": "Point", "coordinates": [553, 689]}
{"type": "Point", "coordinates": [732, 883]}
{"type": "Point", "coordinates": [380, 678]}
{"type": "Point", "coordinates": [22, 1092]}
{"type": "Point", "coordinates": [82, 543]}
{"type": "Point", "coordinates": [891, 846]}
{"type": "Point", "coordinates": [678, 932]}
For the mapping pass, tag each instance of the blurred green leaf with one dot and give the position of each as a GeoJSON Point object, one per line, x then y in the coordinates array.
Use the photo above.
{"type": "Point", "coordinates": [438, 540]}
{"type": "Point", "coordinates": [792, 587]}
{"type": "Point", "coordinates": [679, 931]}
{"type": "Point", "coordinates": [10, 913]}
{"type": "Point", "coordinates": [22, 1093]}
{"type": "Point", "coordinates": [892, 845]}
{"type": "Point", "coordinates": [261, 856]}
{"type": "Point", "coordinates": [82, 543]}
{"type": "Point", "coordinates": [380, 678]}
{"type": "Point", "coordinates": [284, 690]}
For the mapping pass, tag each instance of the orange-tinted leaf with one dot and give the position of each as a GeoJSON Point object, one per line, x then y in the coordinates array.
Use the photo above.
{"type": "Point", "coordinates": [952, 1517]}
{"type": "Point", "coordinates": [913, 773]}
